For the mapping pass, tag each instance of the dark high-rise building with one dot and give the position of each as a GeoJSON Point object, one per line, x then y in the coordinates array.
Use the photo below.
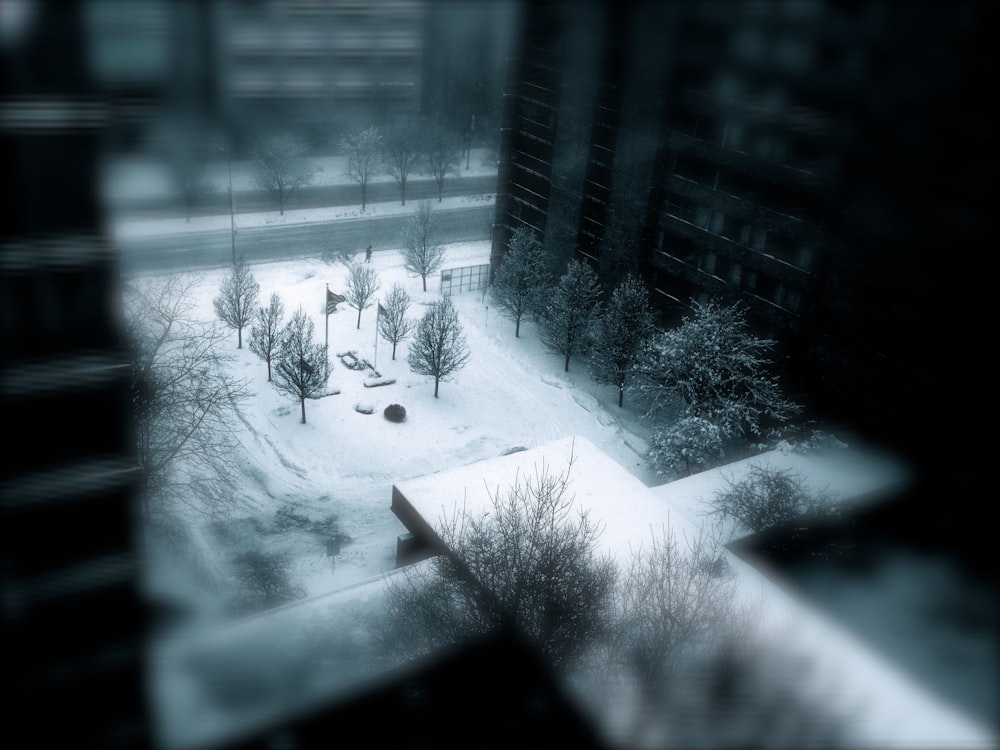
{"type": "Point", "coordinates": [817, 162]}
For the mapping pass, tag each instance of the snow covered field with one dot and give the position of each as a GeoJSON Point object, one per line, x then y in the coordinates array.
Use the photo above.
{"type": "Point", "coordinates": [338, 471]}
{"type": "Point", "coordinates": [343, 464]}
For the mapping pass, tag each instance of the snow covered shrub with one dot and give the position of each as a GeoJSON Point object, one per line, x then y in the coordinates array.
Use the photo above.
{"type": "Point", "coordinates": [689, 443]}
{"type": "Point", "coordinates": [364, 407]}
{"type": "Point", "coordinates": [262, 581]}
{"type": "Point", "coordinates": [770, 497]}
{"type": "Point", "coordinates": [395, 413]}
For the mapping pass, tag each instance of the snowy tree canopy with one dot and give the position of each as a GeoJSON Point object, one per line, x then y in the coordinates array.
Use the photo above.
{"type": "Point", "coordinates": [265, 332]}
{"type": "Point", "coordinates": [403, 151]}
{"type": "Point", "coordinates": [364, 153]}
{"type": "Point", "coordinates": [302, 368]}
{"type": "Point", "coordinates": [620, 333]}
{"type": "Point", "coordinates": [520, 277]}
{"type": "Point", "coordinates": [573, 308]}
{"type": "Point", "coordinates": [421, 255]}
{"type": "Point", "coordinates": [438, 348]}
{"type": "Point", "coordinates": [237, 300]}
{"type": "Point", "coordinates": [362, 283]}
{"type": "Point", "coordinates": [717, 370]}
{"type": "Point", "coordinates": [281, 166]}
{"type": "Point", "coordinates": [393, 325]}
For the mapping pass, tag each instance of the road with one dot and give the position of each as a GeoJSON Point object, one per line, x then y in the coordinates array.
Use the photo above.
{"type": "Point", "coordinates": [315, 239]}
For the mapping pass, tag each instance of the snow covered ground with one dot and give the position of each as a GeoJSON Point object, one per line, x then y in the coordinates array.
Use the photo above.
{"type": "Point", "coordinates": [339, 468]}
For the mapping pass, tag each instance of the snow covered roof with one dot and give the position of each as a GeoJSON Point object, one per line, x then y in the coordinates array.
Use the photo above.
{"type": "Point", "coordinates": [887, 708]}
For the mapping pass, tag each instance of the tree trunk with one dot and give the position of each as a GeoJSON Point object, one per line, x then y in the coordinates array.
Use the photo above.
{"type": "Point", "coordinates": [621, 394]}
{"type": "Point", "coordinates": [269, 370]}
{"type": "Point", "coordinates": [566, 368]}
{"type": "Point", "coordinates": [359, 318]}
{"type": "Point", "coordinates": [517, 327]}
{"type": "Point", "coordinates": [436, 381]}
{"type": "Point", "coordinates": [440, 189]}
{"type": "Point", "coordinates": [364, 196]}
{"type": "Point", "coordinates": [402, 184]}
{"type": "Point", "coordinates": [281, 201]}
{"type": "Point", "coordinates": [424, 277]}
{"type": "Point", "coordinates": [302, 401]}
{"type": "Point", "coordinates": [239, 337]}
{"type": "Point", "coordinates": [393, 351]}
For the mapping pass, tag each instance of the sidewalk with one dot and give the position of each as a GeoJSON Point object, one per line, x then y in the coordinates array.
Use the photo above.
{"type": "Point", "coordinates": [139, 229]}
{"type": "Point", "coordinates": [137, 180]}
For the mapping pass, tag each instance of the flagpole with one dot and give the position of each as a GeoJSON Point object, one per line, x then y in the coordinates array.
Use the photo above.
{"type": "Point", "coordinates": [378, 309]}
{"type": "Point", "coordinates": [326, 304]}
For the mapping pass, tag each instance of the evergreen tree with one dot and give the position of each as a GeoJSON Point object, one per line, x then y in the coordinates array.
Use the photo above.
{"type": "Point", "coordinates": [301, 369]}
{"type": "Point", "coordinates": [520, 278]}
{"type": "Point", "coordinates": [439, 348]}
{"type": "Point", "coordinates": [392, 321]}
{"type": "Point", "coordinates": [620, 334]}
{"type": "Point", "coordinates": [572, 310]}
{"type": "Point", "coordinates": [237, 300]}
{"type": "Point", "coordinates": [265, 333]}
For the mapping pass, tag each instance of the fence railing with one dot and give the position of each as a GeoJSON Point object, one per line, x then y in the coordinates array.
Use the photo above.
{"type": "Point", "coordinates": [467, 279]}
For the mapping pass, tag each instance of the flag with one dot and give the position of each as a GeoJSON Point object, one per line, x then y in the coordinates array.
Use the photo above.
{"type": "Point", "coordinates": [381, 310]}
{"type": "Point", "coordinates": [332, 300]}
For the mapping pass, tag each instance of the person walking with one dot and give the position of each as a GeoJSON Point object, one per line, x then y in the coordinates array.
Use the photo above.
{"type": "Point", "coordinates": [368, 254]}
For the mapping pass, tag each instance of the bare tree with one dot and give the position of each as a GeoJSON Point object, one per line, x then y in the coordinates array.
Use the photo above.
{"type": "Point", "coordinates": [403, 151]}
{"type": "Point", "coordinates": [183, 400]}
{"type": "Point", "coordinates": [362, 283]}
{"type": "Point", "coordinates": [677, 605]}
{"type": "Point", "coordinates": [442, 154]}
{"type": "Point", "coordinates": [301, 369]}
{"type": "Point", "coordinates": [421, 256]}
{"type": "Point", "coordinates": [529, 563]}
{"type": "Point", "coordinates": [281, 168]}
{"type": "Point", "coordinates": [392, 321]}
{"type": "Point", "coordinates": [265, 332]}
{"type": "Point", "coordinates": [439, 348]}
{"type": "Point", "coordinates": [237, 300]}
{"type": "Point", "coordinates": [364, 153]}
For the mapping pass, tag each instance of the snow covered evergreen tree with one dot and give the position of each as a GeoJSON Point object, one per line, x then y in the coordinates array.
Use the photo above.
{"type": "Point", "coordinates": [393, 324]}
{"type": "Point", "coordinates": [439, 348]}
{"type": "Point", "coordinates": [520, 277]}
{"type": "Point", "coordinates": [237, 300]}
{"type": "Point", "coordinates": [266, 331]}
{"type": "Point", "coordinates": [421, 256]}
{"type": "Point", "coordinates": [620, 334]}
{"type": "Point", "coordinates": [301, 369]}
{"type": "Point", "coordinates": [573, 308]}
{"type": "Point", "coordinates": [714, 368]}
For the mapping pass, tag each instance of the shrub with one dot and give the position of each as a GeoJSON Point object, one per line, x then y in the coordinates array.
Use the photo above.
{"type": "Point", "coordinates": [770, 497]}
{"type": "Point", "coordinates": [395, 413]}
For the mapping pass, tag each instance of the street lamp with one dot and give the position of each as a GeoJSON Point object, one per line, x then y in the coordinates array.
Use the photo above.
{"type": "Point", "coordinates": [232, 208]}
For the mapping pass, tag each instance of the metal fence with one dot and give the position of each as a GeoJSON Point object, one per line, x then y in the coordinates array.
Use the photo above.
{"type": "Point", "coordinates": [468, 279]}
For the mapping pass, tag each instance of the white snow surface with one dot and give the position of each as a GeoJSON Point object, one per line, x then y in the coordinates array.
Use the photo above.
{"type": "Point", "coordinates": [513, 394]}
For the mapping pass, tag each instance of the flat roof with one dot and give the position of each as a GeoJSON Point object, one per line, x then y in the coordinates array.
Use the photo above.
{"type": "Point", "coordinates": [887, 708]}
